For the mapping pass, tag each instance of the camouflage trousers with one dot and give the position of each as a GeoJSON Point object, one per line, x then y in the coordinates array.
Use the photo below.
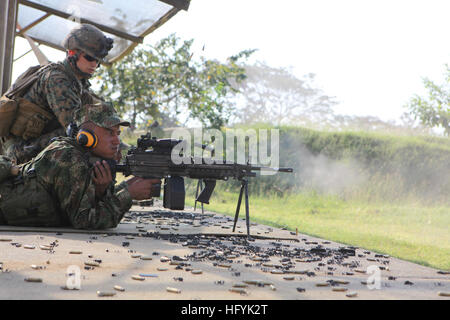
{"type": "Point", "coordinates": [21, 151]}
{"type": "Point", "coordinates": [26, 202]}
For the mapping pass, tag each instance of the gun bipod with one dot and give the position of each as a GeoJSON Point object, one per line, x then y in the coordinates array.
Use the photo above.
{"type": "Point", "coordinates": [244, 190]}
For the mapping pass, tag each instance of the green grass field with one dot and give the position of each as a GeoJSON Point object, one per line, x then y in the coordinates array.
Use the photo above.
{"type": "Point", "coordinates": [415, 233]}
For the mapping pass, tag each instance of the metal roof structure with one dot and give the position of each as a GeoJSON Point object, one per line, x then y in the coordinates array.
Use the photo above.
{"type": "Point", "coordinates": [47, 22]}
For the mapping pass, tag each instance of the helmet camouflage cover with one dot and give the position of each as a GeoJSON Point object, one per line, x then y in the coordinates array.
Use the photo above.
{"type": "Point", "coordinates": [89, 39]}
{"type": "Point", "coordinates": [102, 114]}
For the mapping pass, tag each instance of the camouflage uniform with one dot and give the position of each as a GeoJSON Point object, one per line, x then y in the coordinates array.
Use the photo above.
{"type": "Point", "coordinates": [58, 91]}
{"type": "Point", "coordinates": [56, 189]}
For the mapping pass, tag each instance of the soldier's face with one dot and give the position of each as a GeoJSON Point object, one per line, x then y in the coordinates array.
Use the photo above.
{"type": "Point", "coordinates": [87, 65]}
{"type": "Point", "coordinates": [108, 142]}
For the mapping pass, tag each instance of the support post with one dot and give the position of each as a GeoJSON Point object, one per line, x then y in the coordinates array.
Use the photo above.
{"type": "Point", "coordinates": [8, 17]}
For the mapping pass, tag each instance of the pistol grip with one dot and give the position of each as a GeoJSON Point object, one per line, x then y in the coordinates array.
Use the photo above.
{"type": "Point", "coordinates": [207, 191]}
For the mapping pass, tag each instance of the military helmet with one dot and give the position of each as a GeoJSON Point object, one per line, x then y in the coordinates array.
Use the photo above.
{"type": "Point", "coordinates": [89, 39]}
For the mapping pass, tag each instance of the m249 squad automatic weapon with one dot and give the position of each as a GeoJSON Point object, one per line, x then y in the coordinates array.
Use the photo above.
{"type": "Point", "coordinates": [152, 158]}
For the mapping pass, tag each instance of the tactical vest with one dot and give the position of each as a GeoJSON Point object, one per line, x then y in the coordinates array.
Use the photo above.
{"type": "Point", "coordinates": [26, 201]}
{"type": "Point", "coordinates": [21, 117]}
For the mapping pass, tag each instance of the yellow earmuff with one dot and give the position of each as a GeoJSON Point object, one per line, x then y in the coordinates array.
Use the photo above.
{"type": "Point", "coordinates": [87, 139]}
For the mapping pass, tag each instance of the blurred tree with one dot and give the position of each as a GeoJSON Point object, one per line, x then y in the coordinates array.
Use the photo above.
{"type": "Point", "coordinates": [276, 96]}
{"type": "Point", "coordinates": [433, 110]}
{"type": "Point", "coordinates": [163, 82]}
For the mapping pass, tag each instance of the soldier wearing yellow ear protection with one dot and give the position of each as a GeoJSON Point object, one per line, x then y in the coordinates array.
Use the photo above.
{"type": "Point", "coordinates": [59, 187]}
{"type": "Point", "coordinates": [101, 114]}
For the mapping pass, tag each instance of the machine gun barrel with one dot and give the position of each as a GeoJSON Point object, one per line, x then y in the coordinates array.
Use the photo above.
{"type": "Point", "coordinates": [272, 169]}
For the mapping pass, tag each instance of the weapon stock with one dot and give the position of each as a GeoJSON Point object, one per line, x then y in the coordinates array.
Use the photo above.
{"type": "Point", "coordinates": [152, 158]}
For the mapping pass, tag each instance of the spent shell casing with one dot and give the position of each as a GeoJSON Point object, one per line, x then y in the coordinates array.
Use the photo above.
{"type": "Point", "coordinates": [275, 271]}
{"type": "Point", "coordinates": [339, 289]}
{"type": "Point", "coordinates": [173, 290]}
{"type": "Point", "coordinates": [322, 284]}
{"type": "Point", "coordinates": [196, 271]}
{"type": "Point", "coordinates": [92, 264]}
{"type": "Point", "coordinates": [240, 285]}
{"type": "Point", "coordinates": [105, 294]}
{"type": "Point", "coordinates": [237, 290]}
{"type": "Point", "coordinates": [36, 267]}
{"type": "Point", "coordinates": [32, 279]}
{"type": "Point", "coordinates": [146, 258]}
{"type": "Point", "coordinates": [341, 281]}
{"type": "Point", "coordinates": [70, 288]}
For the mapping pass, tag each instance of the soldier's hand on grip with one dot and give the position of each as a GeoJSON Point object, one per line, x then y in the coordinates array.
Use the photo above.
{"type": "Point", "coordinates": [102, 177]}
{"type": "Point", "coordinates": [140, 189]}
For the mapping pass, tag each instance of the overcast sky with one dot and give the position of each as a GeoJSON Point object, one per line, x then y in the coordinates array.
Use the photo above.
{"type": "Point", "coordinates": [370, 55]}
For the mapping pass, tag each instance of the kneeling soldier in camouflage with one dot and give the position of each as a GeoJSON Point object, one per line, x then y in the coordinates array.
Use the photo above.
{"type": "Point", "coordinates": [69, 183]}
{"type": "Point", "coordinates": [40, 104]}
